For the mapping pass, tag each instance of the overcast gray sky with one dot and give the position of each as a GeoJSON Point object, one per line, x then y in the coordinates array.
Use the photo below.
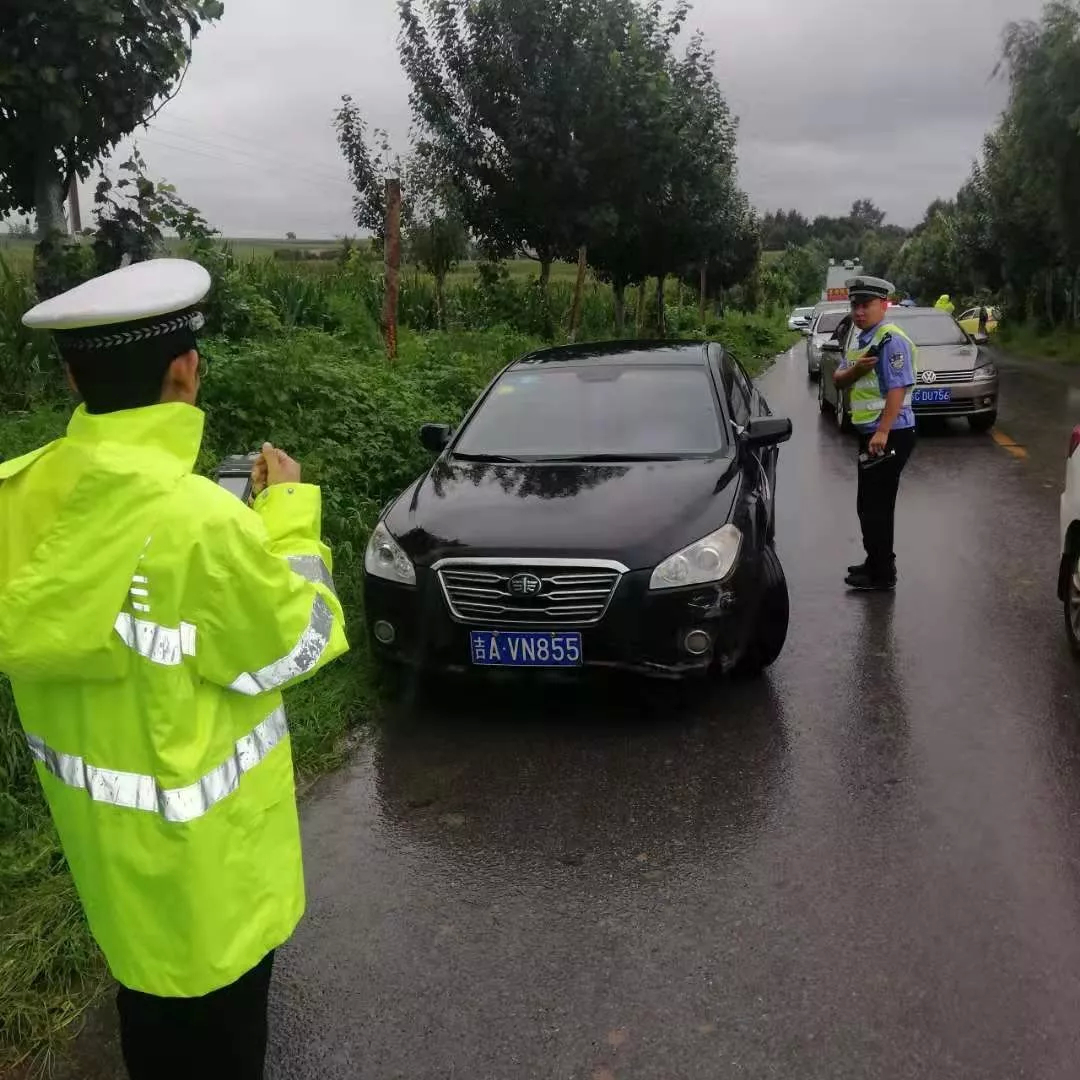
{"type": "Point", "coordinates": [837, 101]}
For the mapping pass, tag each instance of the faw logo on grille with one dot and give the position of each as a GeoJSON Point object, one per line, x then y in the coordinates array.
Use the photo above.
{"type": "Point", "coordinates": [524, 585]}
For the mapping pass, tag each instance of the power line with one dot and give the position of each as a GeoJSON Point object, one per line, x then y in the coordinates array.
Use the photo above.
{"type": "Point", "coordinates": [300, 174]}
{"type": "Point", "coordinates": [262, 155]}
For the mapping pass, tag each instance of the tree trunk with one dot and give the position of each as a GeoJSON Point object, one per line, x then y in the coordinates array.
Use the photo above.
{"type": "Point", "coordinates": [640, 325]}
{"type": "Point", "coordinates": [393, 265]}
{"type": "Point", "coordinates": [50, 270]}
{"type": "Point", "coordinates": [618, 294]}
{"type": "Point", "coordinates": [73, 205]}
{"type": "Point", "coordinates": [661, 313]}
{"type": "Point", "coordinates": [48, 203]}
{"type": "Point", "coordinates": [545, 276]}
{"type": "Point", "coordinates": [701, 294]}
{"type": "Point", "coordinates": [1050, 297]}
{"type": "Point", "coordinates": [440, 299]}
{"type": "Point", "coordinates": [579, 288]}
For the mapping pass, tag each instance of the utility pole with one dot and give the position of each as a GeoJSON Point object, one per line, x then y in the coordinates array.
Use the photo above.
{"type": "Point", "coordinates": [392, 251]}
{"type": "Point", "coordinates": [73, 206]}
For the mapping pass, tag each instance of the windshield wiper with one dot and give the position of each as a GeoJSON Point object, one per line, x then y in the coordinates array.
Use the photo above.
{"type": "Point", "coordinates": [615, 458]}
{"type": "Point", "coordinates": [497, 459]}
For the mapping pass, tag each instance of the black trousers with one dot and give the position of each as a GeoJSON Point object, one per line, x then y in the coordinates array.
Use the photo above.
{"type": "Point", "coordinates": [221, 1036]}
{"type": "Point", "coordinates": [878, 485]}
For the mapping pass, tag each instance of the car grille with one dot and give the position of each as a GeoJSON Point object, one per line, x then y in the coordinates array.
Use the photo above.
{"type": "Point", "coordinates": [949, 378]}
{"type": "Point", "coordinates": [569, 595]}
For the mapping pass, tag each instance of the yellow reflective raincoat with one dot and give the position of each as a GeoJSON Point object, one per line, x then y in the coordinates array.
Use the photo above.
{"type": "Point", "coordinates": [944, 303]}
{"type": "Point", "coordinates": [148, 622]}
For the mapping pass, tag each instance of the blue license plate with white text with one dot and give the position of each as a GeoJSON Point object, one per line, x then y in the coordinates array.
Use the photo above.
{"type": "Point", "coordinates": [525, 648]}
{"type": "Point", "coordinates": [938, 395]}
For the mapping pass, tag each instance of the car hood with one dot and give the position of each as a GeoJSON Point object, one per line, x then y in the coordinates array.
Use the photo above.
{"type": "Point", "coordinates": [948, 357]}
{"type": "Point", "coordinates": [636, 513]}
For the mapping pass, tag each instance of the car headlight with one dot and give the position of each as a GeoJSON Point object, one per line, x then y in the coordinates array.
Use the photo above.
{"type": "Point", "coordinates": [709, 559]}
{"type": "Point", "coordinates": [385, 559]}
{"type": "Point", "coordinates": [986, 373]}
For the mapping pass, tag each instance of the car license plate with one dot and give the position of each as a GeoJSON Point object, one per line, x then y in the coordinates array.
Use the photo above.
{"type": "Point", "coordinates": [934, 396]}
{"type": "Point", "coordinates": [525, 648]}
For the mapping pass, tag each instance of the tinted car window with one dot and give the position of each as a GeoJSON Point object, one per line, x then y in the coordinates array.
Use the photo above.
{"type": "Point", "coordinates": [930, 328]}
{"type": "Point", "coordinates": [828, 321]}
{"type": "Point", "coordinates": [606, 409]}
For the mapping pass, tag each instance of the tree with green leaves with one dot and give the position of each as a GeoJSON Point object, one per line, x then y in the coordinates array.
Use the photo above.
{"type": "Point", "coordinates": [1042, 59]}
{"type": "Point", "coordinates": [133, 214]}
{"type": "Point", "coordinates": [371, 161]}
{"type": "Point", "coordinates": [76, 77]}
{"type": "Point", "coordinates": [514, 100]}
{"type": "Point", "coordinates": [437, 242]}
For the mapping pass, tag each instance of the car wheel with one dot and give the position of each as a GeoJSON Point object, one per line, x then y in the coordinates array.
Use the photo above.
{"type": "Point", "coordinates": [822, 403]}
{"type": "Point", "coordinates": [1072, 607]}
{"type": "Point", "coordinates": [843, 418]}
{"type": "Point", "coordinates": [771, 621]}
{"type": "Point", "coordinates": [983, 421]}
{"type": "Point", "coordinates": [811, 374]}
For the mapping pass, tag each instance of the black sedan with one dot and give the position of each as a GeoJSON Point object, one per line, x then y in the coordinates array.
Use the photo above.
{"type": "Point", "coordinates": [603, 505]}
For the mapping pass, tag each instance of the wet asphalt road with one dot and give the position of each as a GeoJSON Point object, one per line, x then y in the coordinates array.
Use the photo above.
{"type": "Point", "coordinates": [867, 864]}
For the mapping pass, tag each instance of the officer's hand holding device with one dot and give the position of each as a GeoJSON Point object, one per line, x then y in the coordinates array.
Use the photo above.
{"type": "Point", "coordinates": [245, 475]}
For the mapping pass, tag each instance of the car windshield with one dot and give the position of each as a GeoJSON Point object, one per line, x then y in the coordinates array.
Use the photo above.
{"type": "Point", "coordinates": [930, 328]}
{"type": "Point", "coordinates": [604, 411]}
{"type": "Point", "coordinates": [828, 321]}
{"type": "Point", "coordinates": [802, 312]}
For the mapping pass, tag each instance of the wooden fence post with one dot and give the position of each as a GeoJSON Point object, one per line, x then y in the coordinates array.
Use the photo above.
{"type": "Point", "coordinates": [392, 251]}
{"type": "Point", "coordinates": [579, 288]}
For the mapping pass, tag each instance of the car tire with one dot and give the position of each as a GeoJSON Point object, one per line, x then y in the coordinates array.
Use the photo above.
{"type": "Point", "coordinates": [811, 374]}
{"type": "Point", "coordinates": [822, 403]}
{"type": "Point", "coordinates": [771, 620]}
{"type": "Point", "coordinates": [982, 421]}
{"type": "Point", "coordinates": [1072, 605]}
{"type": "Point", "coordinates": [843, 417]}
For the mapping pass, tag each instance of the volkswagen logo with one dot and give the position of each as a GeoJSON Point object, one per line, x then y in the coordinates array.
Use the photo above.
{"type": "Point", "coordinates": [524, 585]}
{"type": "Point", "coordinates": [929, 376]}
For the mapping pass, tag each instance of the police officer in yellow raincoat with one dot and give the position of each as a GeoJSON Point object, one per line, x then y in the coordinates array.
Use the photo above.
{"type": "Point", "coordinates": [149, 621]}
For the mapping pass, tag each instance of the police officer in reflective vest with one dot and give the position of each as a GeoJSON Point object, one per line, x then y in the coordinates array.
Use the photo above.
{"type": "Point", "coordinates": [149, 621]}
{"type": "Point", "coordinates": [880, 372]}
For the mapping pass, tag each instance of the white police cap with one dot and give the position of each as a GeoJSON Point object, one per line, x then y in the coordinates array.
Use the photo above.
{"type": "Point", "coordinates": [872, 288]}
{"type": "Point", "coordinates": [140, 302]}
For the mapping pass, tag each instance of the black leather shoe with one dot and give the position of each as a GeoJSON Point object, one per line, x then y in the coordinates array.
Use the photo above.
{"type": "Point", "coordinates": [864, 568]}
{"type": "Point", "coordinates": [864, 581]}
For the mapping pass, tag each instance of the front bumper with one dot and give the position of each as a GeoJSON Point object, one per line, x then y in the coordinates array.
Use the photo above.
{"type": "Point", "coordinates": [641, 631]}
{"type": "Point", "coordinates": [967, 399]}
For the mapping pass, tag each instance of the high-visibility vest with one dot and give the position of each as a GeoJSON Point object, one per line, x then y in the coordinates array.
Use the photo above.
{"type": "Point", "coordinates": [867, 404]}
{"type": "Point", "coordinates": [148, 623]}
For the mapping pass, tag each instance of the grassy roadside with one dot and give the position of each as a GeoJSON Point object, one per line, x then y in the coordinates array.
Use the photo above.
{"type": "Point", "coordinates": [1031, 342]}
{"type": "Point", "coordinates": [352, 419]}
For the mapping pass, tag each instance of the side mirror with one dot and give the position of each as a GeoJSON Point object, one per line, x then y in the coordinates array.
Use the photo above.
{"type": "Point", "coordinates": [766, 431]}
{"type": "Point", "coordinates": [832, 345]}
{"type": "Point", "coordinates": [981, 339]}
{"type": "Point", "coordinates": [435, 437]}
